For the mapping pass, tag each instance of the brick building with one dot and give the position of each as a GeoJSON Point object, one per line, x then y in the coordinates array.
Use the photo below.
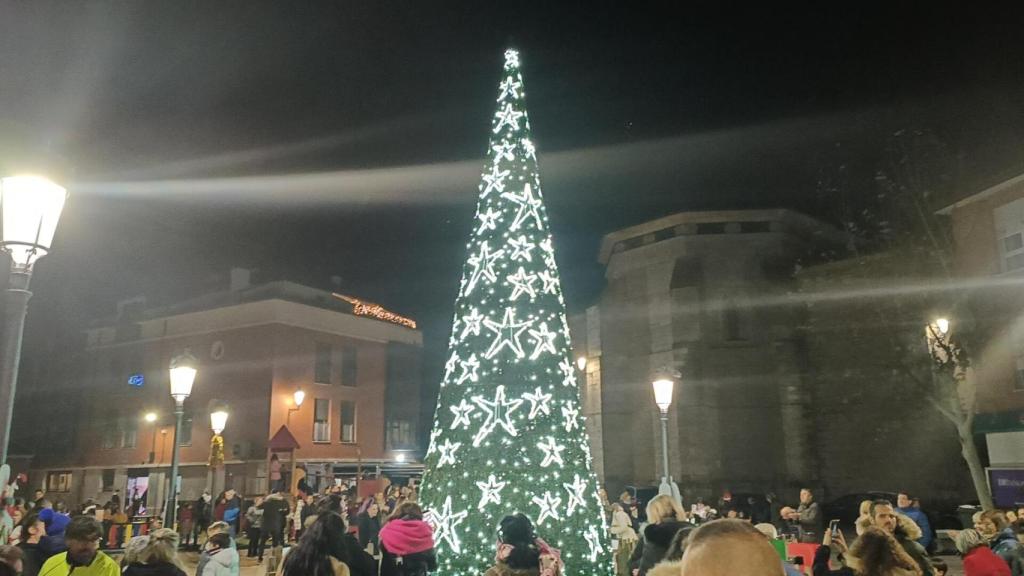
{"type": "Point", "coordinates": [988, 235]}
{"type": "Point", "coordinates": [358, 365]}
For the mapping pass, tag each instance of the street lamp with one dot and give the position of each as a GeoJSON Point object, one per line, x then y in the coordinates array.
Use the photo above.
{"type": "Point", "coordinates": [183, 376]}
{"type": "Point", "coordinates": [664, 383]}
{"type": "Point", "coordinates": [298, 397]}
{"type": "Point", "coordinates": [937, 335]}
{"type": "Point", "coordinates": [150, 417]}
{"type": "Point", "coordinates": [218, 421]}
{"type": "Point", "coordinates": [30, 208]}
{"type": "Point", "coordinates": [581, 363]}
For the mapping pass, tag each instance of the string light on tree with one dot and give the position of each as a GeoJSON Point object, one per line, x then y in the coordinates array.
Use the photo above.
{"type": "Point", "coordinates": [491, 452]}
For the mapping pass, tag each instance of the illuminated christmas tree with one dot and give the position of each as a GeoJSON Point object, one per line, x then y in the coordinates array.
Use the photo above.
{"type": "Point", "coordinates": [508, 435]}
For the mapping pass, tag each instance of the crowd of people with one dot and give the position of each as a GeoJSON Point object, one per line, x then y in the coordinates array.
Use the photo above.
{"type": "Point", "coordinates": [338, 533]}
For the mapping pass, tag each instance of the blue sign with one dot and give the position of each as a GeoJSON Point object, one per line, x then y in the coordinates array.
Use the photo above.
{"type": "Point", "coordinates": [1007, 486]}
{"type": "Point", "coordinates": [136, 380]}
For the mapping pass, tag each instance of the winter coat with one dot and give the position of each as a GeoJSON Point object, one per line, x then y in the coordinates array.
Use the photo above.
{"type": "Point", "coordinates": [102, 565]}
{"type": "Point", "coordinates": [275, 511]}
{"type": "Point", "coordinates": [407, 548]}
{"type": "Point", "coordinates": [652, 548]}
{"type": "Point", "coordinates": [821, 567]}
{"type": "Point", "coordinates": [810, 519]}
{"type": "Point", "coordinates": [982, 561]}
{"type": "Point", "coordinates": [359, 562]}
{"type": "Point", "coordinates": [255, 517]}
{"type": "Point", "coordinates": [921, 519]}
{"type": "Point", "coordinates": [1006, 546]}
{"type": "Point", "coordinates": [158, 569]}
{"type": "Point", "coordinates": [204, 559]}
{"type": "Point", "coordinates": [369, 529]}
{"type": "Point", "coordinates": [223, 562]}
{"type": "Point", "coordinates": [32, 558]}
{"type": "Point", "coordinates": [622, 526]}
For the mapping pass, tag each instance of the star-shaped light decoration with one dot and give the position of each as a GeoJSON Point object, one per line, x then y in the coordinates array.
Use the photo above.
{"type": "Point", "coordinates": [570, 416]}
{"type": "Point", "coordinates": [495, 181]}
{"type": "Point", "coordinates": [538, 402]}
{"type": "Point", "coordinates": [450, 365]}
{"type": "Point", "coordinates": [508, 116]}
{"type": "Point", "coordinates": [469, 368]}
{"type": "Point", "coordinates": [594, 541]}
{"type": "Point", "coordinates": [488, 220]}
{"type": "Point", "coordinates": [447, 451]}
{"type": "Point", "coordinates": [545, 340]}
{"type": "Point", "coordinates": [511, 59]}
{"type": "Point", "coordinates": [509, 89]}
{"type": "Point", "coordinates": [471, 323]}
{"type": "Point", "coordinates": [521, 248]}
{"type": "Point", "coordinates": [483, 265]}
{"type": "Point", "coordinates": [548, 505]}
{"type": "Point", "coordinates": [550, 282]}
{"type": "Point", "coordinates": [499, 413]}
{"type": "Point", "coordinates": [576, 490]}
{"type": "Point", "coordinates": [522, 283]}
{"type": "Point", "coordinates": [504, 150]}
{"type": "Point", "coordinates": [552, 452]}
{"type": "Point", "coordinates": [431, 446]}
{"type": "Point", "coordinates": [462, 412]}
{"type": "Point", "coordinates": [568, 373]}
{"type": "Point", "coordinates": [507, 333]}
{"type": "Point", "coordinates": [444, 523]}
{"type": "Point", "coordinates": [531, 150]}
{"type": "Point", "coordinates": [528, 207]}
{"type": "Point", "coordinates": [490, 492]}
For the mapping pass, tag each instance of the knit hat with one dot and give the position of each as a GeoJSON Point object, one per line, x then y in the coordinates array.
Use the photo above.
{"type": "Point", "coordinates": [55, 521]}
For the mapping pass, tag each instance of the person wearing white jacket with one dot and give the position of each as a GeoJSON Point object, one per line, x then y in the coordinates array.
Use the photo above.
{"type": "Point", "coordinates": [622, 530]}
{"type": "Point", "coordinates": [223, 557]}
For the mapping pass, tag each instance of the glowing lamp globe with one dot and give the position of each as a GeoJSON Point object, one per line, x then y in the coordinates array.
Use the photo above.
{"type": "Point", "coordinates": [942, 324]}
{"type": "Point", "coordinates": [30, 208]}
{"type": "Point", "coordinates": [663, 393]}
{"type": "Point", "coordinates": [183, 375]}
{"type": "Point", "coordinates": [218, 421]}
{"type": "Point", "coordinates": [581, 363]}
{"type": "Point", "coordinates": [299, 397]}
{"type": "Point", "coordinates": [150, 417]}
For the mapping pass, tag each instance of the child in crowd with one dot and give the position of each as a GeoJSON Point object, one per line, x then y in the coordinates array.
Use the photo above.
{"type": "Point", "coordinates": [222, 556]}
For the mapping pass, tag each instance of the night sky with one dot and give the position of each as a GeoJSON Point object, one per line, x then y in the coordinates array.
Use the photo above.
{"type": "Point", "coordinates": [307, 139]}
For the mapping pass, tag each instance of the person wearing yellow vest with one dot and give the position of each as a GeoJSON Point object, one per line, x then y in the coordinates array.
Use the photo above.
{"type": "Point", "coordinates": [83, 558]}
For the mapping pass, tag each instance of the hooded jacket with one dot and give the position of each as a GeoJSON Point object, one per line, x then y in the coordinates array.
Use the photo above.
{"type": "Point", "coordinates": [156, 569]}
{"type": "Point", "coordinates": [651, 549]}
{"type": "Point", "coordinates": [921, 519]}
{"type": "Point", "coordinates": [223, 562]}
{"type": "Point", "coordinates": [981, 561]}
{"type": "Point", "coordinates": [907, 533]}
{"type": "Point", "coordinates": [407, 548]}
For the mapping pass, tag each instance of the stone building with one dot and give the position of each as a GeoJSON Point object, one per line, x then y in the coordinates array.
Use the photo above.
{"type": "Point", "coordinates": [708, 294]}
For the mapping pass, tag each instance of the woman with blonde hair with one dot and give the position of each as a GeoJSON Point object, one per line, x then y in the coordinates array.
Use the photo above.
{"type": "Point", "coordinates": [622, 531]}
{"type": "Point", "coordinates": [863, 518]}
{"type": "Point", "coordinates": [979, 559]}
{"type": "Point", "coordinates": [665, 517]}
{"type": "Point", "coordinates": [159, 557]}
{"type": "Point", "coordinates": [877, 553]}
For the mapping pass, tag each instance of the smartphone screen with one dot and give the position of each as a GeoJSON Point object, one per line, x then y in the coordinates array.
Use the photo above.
{"type": "Point", "coordinates": [833, 527]}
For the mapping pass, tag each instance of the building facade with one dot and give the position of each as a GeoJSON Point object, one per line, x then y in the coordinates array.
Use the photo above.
{"type": "Point", "coordinates": [988, 259]}
{"type": "Point", "coordinates": [357, 364]}
{"type": "Point", "coordinates": [707, 294]}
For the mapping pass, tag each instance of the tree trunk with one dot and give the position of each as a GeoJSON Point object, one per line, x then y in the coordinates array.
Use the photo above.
{"type": "Point", "coordinates": [970, 453]}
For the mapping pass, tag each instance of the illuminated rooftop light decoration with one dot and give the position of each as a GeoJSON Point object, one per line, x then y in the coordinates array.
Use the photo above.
{"type": "Point", "coordinates": [508, 435]}
{"type": "Point", "coordinates": [364, 308]}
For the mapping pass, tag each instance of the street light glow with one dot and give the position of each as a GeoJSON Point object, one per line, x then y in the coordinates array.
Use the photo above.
{"type": "Point", "coordinates": [183, 375]}
{"type": "Point", "coordinates": [943, 325]}
{"type": "Point", "coordinates": [150, 417]}
{"type": "Point", "coordinates": [663, 393]}
{"type": "Point", "coordinates": [299, 397]}
{"type": "Point", "coordinates": [30, 207]}
{"type": "Point", "coordinates": [581, 363]}
{"type": "Point", "coordinates": [218, 421]}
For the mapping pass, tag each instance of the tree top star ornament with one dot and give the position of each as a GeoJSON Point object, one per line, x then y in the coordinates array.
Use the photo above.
{"type": "Point", "coordinates": [508, 435]}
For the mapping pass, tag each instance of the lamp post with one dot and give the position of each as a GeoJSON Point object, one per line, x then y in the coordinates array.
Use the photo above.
{"type": "Point", "coordinates": [663, 385]}
{"type": "Point", "coordinates": [218, 421]}
{"type": "Point", "coordinates": [298, 397]}
{"type": "Point", "coordinates": [30, 208]}
{"type": "Point", "coordinates": [183, 375]}
{"type": "Point", "coordinates": [150, 417]}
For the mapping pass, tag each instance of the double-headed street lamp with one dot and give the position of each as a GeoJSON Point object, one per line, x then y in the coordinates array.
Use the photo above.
{"type": "Point", "coordinates": [183, 376]}
{"type": "Point", "coordinates": [30, 208]}
{"type": "Point", "coordinates": [664, 383]}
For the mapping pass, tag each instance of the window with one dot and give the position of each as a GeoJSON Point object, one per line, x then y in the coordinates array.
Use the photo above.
{"type": "Point", "coordinates": [349, 366]}
{"type": "Point", "coordinates": [108, 480]}
{"type": "Point", "coordinates": [109, 431]}
{"type": "Point", "coordinates": [321, 420]}
{"type": "Point", "coordinates": [186, 430]}
{"type": "Point", "coordinates": [322, 368]}
{"type": "Point", "coordinates": [127, 432]}
{"type": "Point", "coordinates": [348, 421]}
{"type": "Point", "coordinates": [58, 481]}
{"type": "Point", "coordinates": [755, 227]}
{"type": "Point", "coordinates": [1018, 383]}
{"type": "Point", "coordinates": [1009, 223]}
{"type": "Point", "coordinates": [711, 228]}
{"type": "Point", "coordinates": [1013, 251]}
{"type": "Point", "coordinates": [399, 434]}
